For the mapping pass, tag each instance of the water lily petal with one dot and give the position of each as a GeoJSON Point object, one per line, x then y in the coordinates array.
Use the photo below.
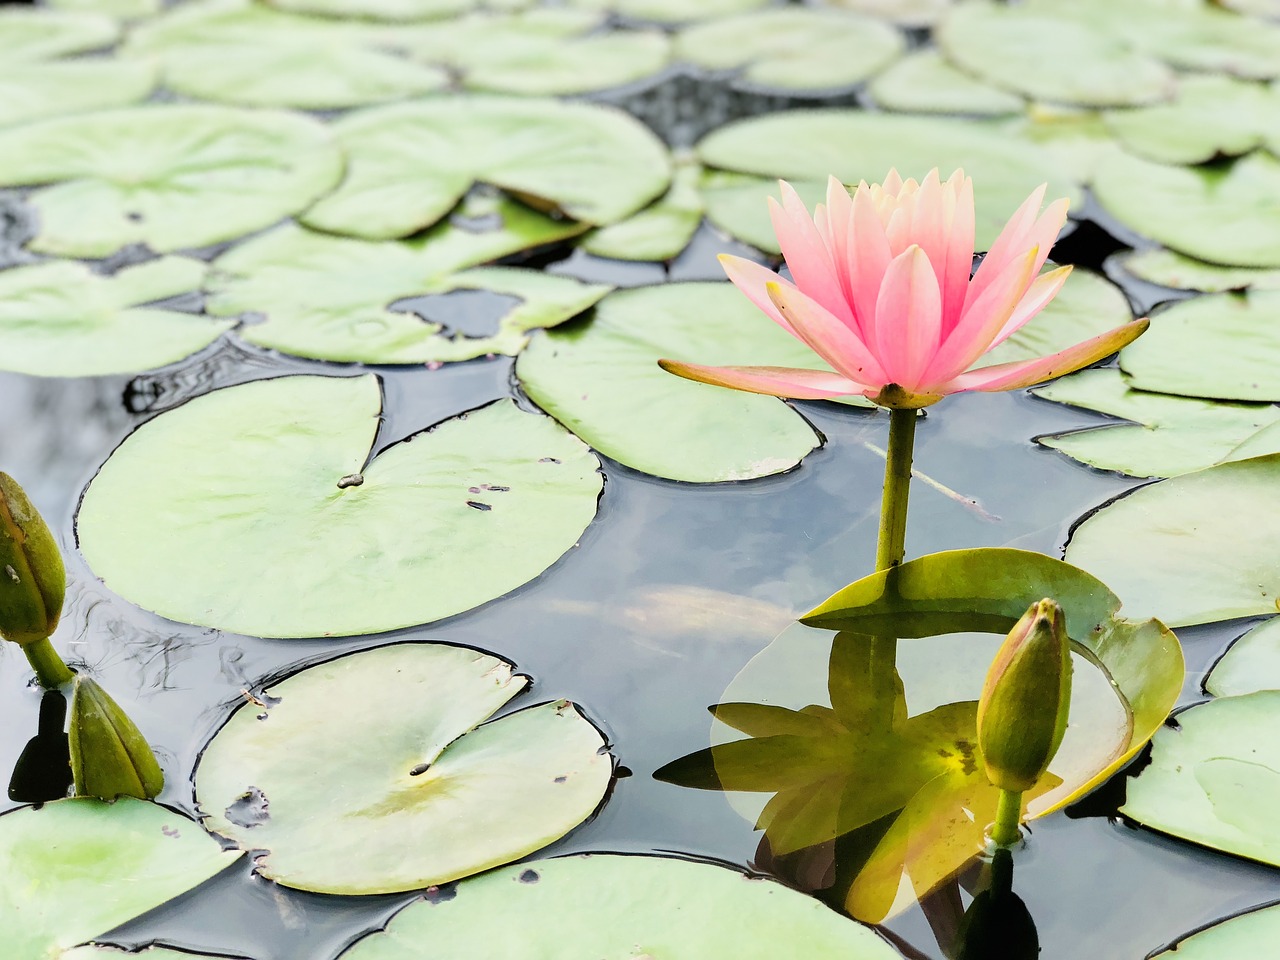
{"type": "Point", "coordinates": [752, 278]}
{"type": "Point", "coordinates": [807, 257]}
{"type": "Point", "coordinates": [869, 257]}
{"type": "Point", "coordinates": [908, 318]}
{"type": "Point", "coordinates": [826, 335]}
{"type": "Point", "coordinates": [840, 222]}
{"type": "Point", "coordinates": [959, 252]}
{"type": "Point", "coordinates": [1027, 373]}
{"type": "Point", "coordinates": [1013, 241]}
{"type": "Point", "coordinates": [1042, 290]}
{"type": "Point", "coordinates": [1046, 230]}
{"type": "Point", "coordinates": [790, 382]}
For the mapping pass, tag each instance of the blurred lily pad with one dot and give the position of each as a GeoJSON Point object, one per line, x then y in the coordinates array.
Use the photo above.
{"type": "Point", "coordinates": [120, 9]}
{"type": "Point", "coordinates": [76, 869]}
{"type": "Point", "coordinates": [1241, 937]}
{"type": "Point", "coordinates": [1168, 436]}
{"type": "Point", "coordinates": [97, 952]}
{"type": "Point", "coordinates": [1223, 346]}
{"type": "Point", "coordinates": [661, 230]}
{"type": "Point", "coordinates": [925, 82]}
{"type": "Point", "coordinates": [1226, 213]}
{"type": "Point", "coordinates": [808, 145]}
{"type": "Point", "coordinates": [59, 319]}
{"type": "Point", "coordinates": [409, 790]}
{"type": "Point", "coordinates": [410, 164]}
{"type": "Point", "coordinates": [35, 91]}
{"type": "Point", "coordinates": [28, 35]}
{"type": "Point", "coordinates": [268, 490]}
{"type": "Point", "coordinates": [393, 10]}
{"type": "Point", "coordinates": [1031, 50]}
{"type": "Point", "coordinates": [909, 13]}
{"type": "Point", "coordinates": [672, 11]}
{"type": "Point", "coordinates": [171, 177]}
{"type": "Point", "coordinates": [793, 48]}
{"type": "Point", "coordinates": [1075, 137]}
{"type": "Point", "coordinates": [1250, 664]}
{"type": "Point", "coordinates": [1170, 269]}
{"type": "Point", "coordinates": [234, 51]}
{"type": "Point", "coordinates": [1214, 778]}
{"type": "Point", "coordinates": [601, 379]}
{"type": "Point", "coordinates": [1192, 549]}
{"type": "Point", "coordinates": [613, 906]}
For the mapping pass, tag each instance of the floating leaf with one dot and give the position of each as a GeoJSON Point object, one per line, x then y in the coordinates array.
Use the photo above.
{"type": "Point", "coordinates": [602, 380]}
{"type": "Point", "coordinates": [909, 13]}
{"type": "Point", "coordinates": [75, 869]}
{"type": "Point", "coordinates": [1031, 50]}
{"type": "Point", "coordinates": [1211, 115]}
{"type": "Point", "coordinates": [661, 230]}
{"type": "Point", "coordinates": [1223, 346]}
{"type": "Point", "coordinates": [1214, 778]}
{"type": "Point", "coordinates": [1170, 269]}
{"type": "Point", "coordinates": [59, 319]}
{"type": "Point", "coordinates": [924, 82]}
{"type": "Point", "coordinates": [38, 90]}
{"type": "Point", "coordinates": [408, 789]}
{"type": "Point", "coordinates": [737, 204]}
{"type": "Point", "coordinates": [672, 11]}
{"type": "Point", "coordinates": [793, 48]}
{"type": "Point", "coordinates": [1225, 213]}
{"type": "Point", "coordinates": [1242, 937]}
{"type": "Point", "coordinates": [168, 176]}
{"type": "Point", "coordinates": [855, 145]}
{"type": "Point", "coordinates": [1251, 664]}
{"type": "Point", "coordinates": [1266, 440]}
{"type": "Point", "coordinates": [266, 490]}
{"type": "Point", "coordinates": [234, 51]}
{"type": "Point", "coordinates": [120, 9]}
{"type": "Point", "coordinates": [30, 35]}
{"type": "Point", "coordinates": [410, 164]}
{"type": "Point", "coordinates": [1194, 549]}
{"type": "Point", "coordinates": [1168, 436]}
{"type": "Point", "coordinates": [394, 10]}
{"type": "Point", "coordinates": [1076, 138]}
{"type": "Point", "coordinates": [615, 906]}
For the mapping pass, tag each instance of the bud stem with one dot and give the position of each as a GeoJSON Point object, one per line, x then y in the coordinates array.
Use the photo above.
{"type": "Point", "coordinates": [50, 670]}
{"type": "Point", "coordinates": [1007, 829]}
{"type": "Point", "coordinates": [891, 547]}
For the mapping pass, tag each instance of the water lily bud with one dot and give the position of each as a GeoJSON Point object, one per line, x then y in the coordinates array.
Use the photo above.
{"type": "Point", "coordinates": [1022, 714]}
{"type": "Point", "coordinates": [109, 757]}
{"type": "Point", "coordinates": [32, 578]}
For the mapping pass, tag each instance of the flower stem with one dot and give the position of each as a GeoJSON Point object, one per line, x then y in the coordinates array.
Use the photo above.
{"type": "Point", "coordinates": [1007, 830]}
{"type": "Point", "coordinates": [890, 548]}
{"type": "Point", "coordinates": [50, 670]}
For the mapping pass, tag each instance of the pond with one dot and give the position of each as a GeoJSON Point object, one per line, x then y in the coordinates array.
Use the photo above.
{"type": "Point", "coordinates": [201, 202]}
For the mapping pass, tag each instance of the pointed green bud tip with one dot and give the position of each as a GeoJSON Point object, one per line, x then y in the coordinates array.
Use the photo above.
{"type": "Point", "coordinates": [109, 757]}
{"type": "Point", "coordinates": [1022, 714]}
{"type": "Point", "coordinates": [32, 578]}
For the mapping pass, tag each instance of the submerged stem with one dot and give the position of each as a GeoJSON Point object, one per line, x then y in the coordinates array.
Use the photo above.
{"type": "Point", "coordinates": [890, 548]}
{"type": "Point", "coordinates": [1007, 829]}
{"type": "Point", "coordinates": [50, 670]}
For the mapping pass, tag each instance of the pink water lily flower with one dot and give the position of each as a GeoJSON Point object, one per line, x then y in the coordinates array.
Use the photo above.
{"type": "Point", "coordinates": [882, 292]}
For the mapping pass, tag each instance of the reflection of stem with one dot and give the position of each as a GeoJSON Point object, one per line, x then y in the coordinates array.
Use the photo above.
{"type": "Point", "coordinates": [890, 548]}
{"type": "Point", "coordinates": [1007, 831]}
{"type": "Point", "coordinates": [49, 668]}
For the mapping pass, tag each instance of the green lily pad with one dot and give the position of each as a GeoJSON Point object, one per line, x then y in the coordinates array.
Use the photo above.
{"type": "Point", "coordinates": [1168, 436]}
{"type": "Point", "coordinates": [120, 9]}
{"type": "Point", "coordinates": [171, 177]}
{"type": "Point", "coordinates": [96, 952]}
{"type": "Point", "coordinates": [1170, 269]}
{"type": "Point", "coordinates": [59, 319]}
{"type": "Point", "coordinates": [615, 906]}
{"type": "Point", "coordinates": [1193, 549]}
{"type": "Point", "coordinates": [1214, 778]}
{"type": "Point", "coordinates": [924, 82]}
{"type": "Point", "coordinates": [75, 869]}
{"type": "Point", "coordinates": [601, 379]}
{"type": "Point", "coordinates": [737, 203]}
{"type": "Point", "coordinates": [1266, 440]}
{"type": "Point", "coordinates": [327, 297]}
{"type": "Point", "coordinates": [38, 90]}
{"type": "Point", "coordinates": [793, 48]}
{"type": "Point", "coordinates": [1075, 137]}
{"type": "Point", "coordinates": [1251, 664]}
{"type": "Point", "coordinates": [1211, 115]}
{"type": "Point", "coordinates": [234, 51]}
{"type": "Point", "coordinates": [909, 13]}
{"type": "Point", "coordinates": [1227, 213]}
{"type": "Point", "coordinates": [672, 11]}
{"type": "Point", "coordinates": [1036, 53]}
{"type": "Point", "coordinates": [300, 511]}
{"type": "Point", "coordinates": [410, 790]}
{"type": "Point", "coordinates": [543, 51]}
{"type": "Point", "coordinates": [1223, 346]}
{"type": "Point", "coordinates": [809, 145]}
{"type": "Point", "coordinates": [392, 10]}
{"type": "Point", "coordinates": [30, 35]}
{"type": "Point", "coordinates": [1242, 937]}
{"type": "Point", "coordinates": [410, 164]}
{"type": "Point", "coordinates": [661, 230]}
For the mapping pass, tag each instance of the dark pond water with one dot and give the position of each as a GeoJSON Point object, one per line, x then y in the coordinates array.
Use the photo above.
{"type": "Point", "coordinates": [612, 626]}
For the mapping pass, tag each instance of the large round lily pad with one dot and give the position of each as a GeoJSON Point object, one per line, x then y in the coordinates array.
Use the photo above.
{"type": "Point", "coordinates": [1193, 549]}
{"type": "Point", "coordinates": [35, 91]}
{"type": "Point", "coordinates": [1223, 346]}
{"type": "Point", "coordinates": [602, 380]}
{"type": "Point", "coordinates": [214, 512]}
{"type": "Point", "coordinates": [170, 177]}
{"type": "Point", "coordinates": [59, 319]}
{"type": "Point", "coordinates": [672, 11]}
{"type": "Point", "coordinates": [30, 35]}
{"type": "Point", "coordinates": [1250, 664]}
{"type": "Point", "coordinates": [405, 788]}
{"type": "Point", "coordinates": [1246, 937]}
{"type": "Point", "coordinates": [1169, 269]}
{"type": "Point", "coordinates": [661, 230]}
{"type": "Point", "coordinates": [76, 869]}
{"type": "Point", "coordinates": [924, 82]}
{"type": "Point", "coordinates": [618, 906]}
{"type": "Point", "coordinates": [410, 164]}
{"type": "Point", "coordinates": [1214, 779]}
{"type": "Point", "coordinates": [1227, 213]}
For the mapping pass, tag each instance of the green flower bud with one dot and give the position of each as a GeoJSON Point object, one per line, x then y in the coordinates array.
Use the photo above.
{"type": "Point", "coordinates": [1022, 714]}
{"type": "Point", "coordinates": [32, 578]}
{"type": "Point", "coordinates": [109, 757]}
